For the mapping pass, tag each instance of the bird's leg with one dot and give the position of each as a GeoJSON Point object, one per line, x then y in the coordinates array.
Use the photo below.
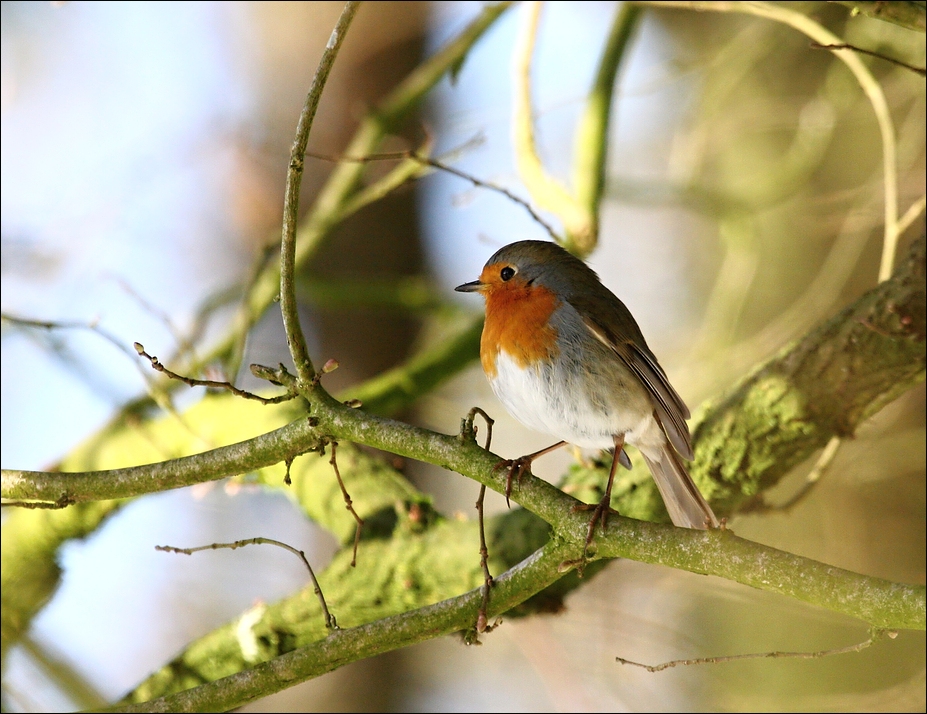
{"type": "Point", "coordinates": [603, 508]}
{"type": "Point", "coordinates": [518, 467]}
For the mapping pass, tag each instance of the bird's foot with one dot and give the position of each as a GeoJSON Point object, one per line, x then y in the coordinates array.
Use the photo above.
{"type": "Point", "coordinates": [600, 513]}
{"type": "Point", "coordinates": [517, 468]}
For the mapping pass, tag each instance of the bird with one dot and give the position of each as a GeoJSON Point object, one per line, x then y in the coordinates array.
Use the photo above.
{"type": "Point", "coordinates": [565, 357]}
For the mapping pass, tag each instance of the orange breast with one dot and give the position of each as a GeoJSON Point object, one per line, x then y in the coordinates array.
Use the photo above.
{"type": "Point", "coordinates": [518, 322]}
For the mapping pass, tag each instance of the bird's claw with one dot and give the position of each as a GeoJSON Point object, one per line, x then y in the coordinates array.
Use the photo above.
{"type": "Point", "coordinates": [600, 512]}
{"type": "Point", "coordinates": [517, 469]}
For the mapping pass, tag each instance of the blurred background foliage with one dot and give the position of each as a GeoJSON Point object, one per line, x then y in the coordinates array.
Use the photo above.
{"type": "Point", "coordinates": [743, 205]}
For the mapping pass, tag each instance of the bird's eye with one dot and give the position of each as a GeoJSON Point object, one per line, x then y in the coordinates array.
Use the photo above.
{"type": "Point", "coordinates": [507, 273]}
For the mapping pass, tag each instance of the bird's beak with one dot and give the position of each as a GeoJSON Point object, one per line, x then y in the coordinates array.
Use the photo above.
{"type": "Point", "coordinates": [472, 287]}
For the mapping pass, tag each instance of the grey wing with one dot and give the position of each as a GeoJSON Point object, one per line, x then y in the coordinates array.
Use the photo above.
{"type": "Point", "coordinates": [671, 411]}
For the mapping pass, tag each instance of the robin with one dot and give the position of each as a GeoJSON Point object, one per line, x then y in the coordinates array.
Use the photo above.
{"type": "Point", "coordinates": [565, 357]}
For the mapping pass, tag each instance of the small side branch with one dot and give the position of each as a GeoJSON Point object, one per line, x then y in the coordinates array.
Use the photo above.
{"type": "Point", "coordinates": [482, 620]}
{"type": "Point", "coordinates": [212, 384]}
{"type": "Point", "coordinates": [873, 638]}
{"type": "Point", "coordinates": [347, 501]}
{"type": "Point", "coordinates": [844, 46]}
{"type": "Point", "coordinates": [330, 622]}
{"type": "Point", "coordinates": [50, 325]}
{"type": "Point", "coordinates": [439, 165]}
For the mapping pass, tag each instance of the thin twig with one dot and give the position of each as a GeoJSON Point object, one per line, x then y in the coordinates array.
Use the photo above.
{"type": "Point", "coordinates": [330, 622]}
{"type": "Point", "coordinates": [286, 479]}
{"type": "Point", "coordinates": [294, 177]}
{"type": "Point", "coordinates": [211, 383]}
{"type": "Point", "coordinates": [875, 636]}
{"type": "Point", "coordinates": [482, 620]}
{"type": "Point", "coordinates": [922, 71]}
{"type": "Point", "coordinates": [348, 503]}
{"type": "Point", "coordinates": [92, 326]}
{"type": "Point", "coordinates": [479, 183]}
{"type": "Point", "coordinates": [441, 166]}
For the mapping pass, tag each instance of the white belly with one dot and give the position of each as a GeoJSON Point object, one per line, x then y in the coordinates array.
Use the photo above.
{"type": "Point", "coordinates": [575, 407]}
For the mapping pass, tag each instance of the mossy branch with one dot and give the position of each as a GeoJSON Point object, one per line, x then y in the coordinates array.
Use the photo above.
{"type": "Point", "coordinates": [374, 605]}
{"type": "Point", "coordinates": [826, 384]}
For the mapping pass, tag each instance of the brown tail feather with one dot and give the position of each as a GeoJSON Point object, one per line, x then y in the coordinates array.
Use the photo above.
{"type": "Point", "coordinates": [687, 508]}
